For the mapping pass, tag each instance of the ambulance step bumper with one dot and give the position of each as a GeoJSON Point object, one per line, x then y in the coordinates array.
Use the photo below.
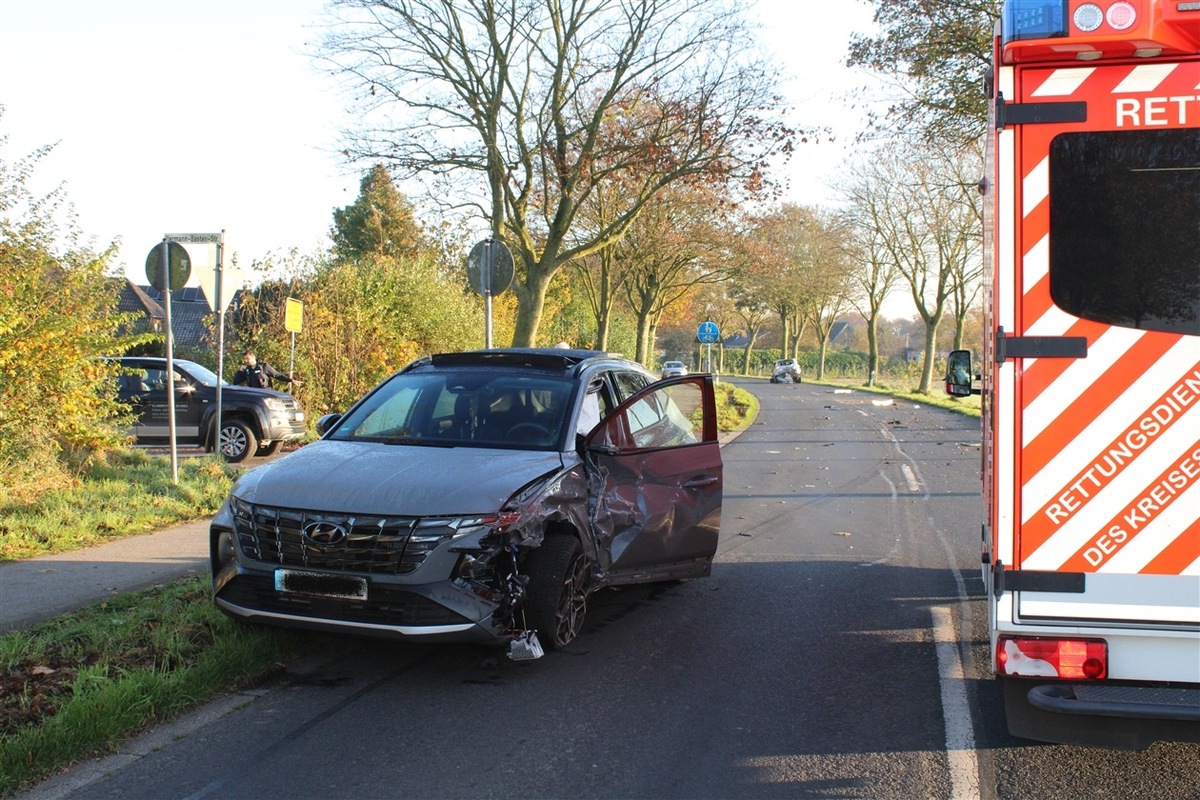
{"type": "Point", "coordinates": [1116, 700]}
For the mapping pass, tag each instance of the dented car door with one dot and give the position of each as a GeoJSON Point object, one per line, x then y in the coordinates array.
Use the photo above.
{"type": "Point", "coordinates": [655, 483]}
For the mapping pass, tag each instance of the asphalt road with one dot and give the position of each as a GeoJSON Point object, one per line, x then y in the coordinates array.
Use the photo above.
{"type": "Point", "coordinates": [837, 651]}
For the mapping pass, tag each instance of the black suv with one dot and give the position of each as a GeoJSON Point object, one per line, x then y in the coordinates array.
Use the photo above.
{"type": "Point", "coordinates": [253, 421]}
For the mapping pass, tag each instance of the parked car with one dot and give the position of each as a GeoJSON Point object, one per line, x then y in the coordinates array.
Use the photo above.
{"type": "Point", "coordinates": [478, 496]}
{"type": "Point", "coordinates": [786, 370]}
{"type": "Point", "coordinates": [253, 421]}
{"type": "Point", "coordinates": [673, 369]}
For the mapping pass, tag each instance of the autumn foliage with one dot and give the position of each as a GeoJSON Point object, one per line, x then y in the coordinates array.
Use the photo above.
{"type": "Point", "coordinates": [57, 317]}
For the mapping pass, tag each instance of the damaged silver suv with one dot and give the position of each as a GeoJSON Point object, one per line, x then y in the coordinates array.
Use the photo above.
{"type": "Point", "coordinates": [479, 496]}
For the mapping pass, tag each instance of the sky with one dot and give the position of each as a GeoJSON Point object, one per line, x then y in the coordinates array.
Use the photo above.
{"type": "Point", "coordinates": [202, 116]}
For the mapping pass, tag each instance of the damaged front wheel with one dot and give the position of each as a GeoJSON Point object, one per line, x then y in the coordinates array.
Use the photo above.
{"type": "Point", "coordinates": [559, 581]}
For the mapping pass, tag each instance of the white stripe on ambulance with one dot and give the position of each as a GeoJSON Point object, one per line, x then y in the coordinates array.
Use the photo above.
{"type": "Point", "coordinates": [1081, 452]}
{"type": "Point", "coordinates": [1128, 488]}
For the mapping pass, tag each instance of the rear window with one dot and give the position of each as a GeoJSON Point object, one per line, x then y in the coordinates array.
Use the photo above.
{"type": "Point", "coordinates": [1125, 228]}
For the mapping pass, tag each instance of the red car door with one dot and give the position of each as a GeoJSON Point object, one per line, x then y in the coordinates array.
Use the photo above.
{"type": "Point", "coordinates": [655, 483]}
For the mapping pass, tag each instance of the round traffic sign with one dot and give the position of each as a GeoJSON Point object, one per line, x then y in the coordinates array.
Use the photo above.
{"type": "Point", "coordinates": [179, 265]}
{"type": "Point", "coordinates": [490, 267]}
{"type": "Point", "coordinates": [708, 332]}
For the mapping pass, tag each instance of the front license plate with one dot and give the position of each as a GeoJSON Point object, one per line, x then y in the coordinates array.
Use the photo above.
{"type": "Point", "coordinates": [320, 584]}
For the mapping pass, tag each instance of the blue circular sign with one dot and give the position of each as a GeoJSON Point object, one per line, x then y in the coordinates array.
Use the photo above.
{"type": "Point", "coordinates": [708, 332]}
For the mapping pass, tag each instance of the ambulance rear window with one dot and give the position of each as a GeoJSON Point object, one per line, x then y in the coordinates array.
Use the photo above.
{"type": "Point", "coordinates": [1125, 228]}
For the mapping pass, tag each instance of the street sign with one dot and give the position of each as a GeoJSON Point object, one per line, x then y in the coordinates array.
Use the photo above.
{"type": "Point", "coordinates": [179, 266]}
{"type": "Point", "coordinates": [490, 268]}
{"type": "Point", "coordinates": [293, 315]}
{"type": "Point", "coordinates": [708, 332]}
{"type": "Point", "coordinates": [195, 238]}
{"type": "Point", "coordinates": [231, 281]}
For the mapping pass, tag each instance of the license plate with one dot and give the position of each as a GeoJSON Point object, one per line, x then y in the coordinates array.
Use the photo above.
{"type": "Point", "coordinates": [320, 584]}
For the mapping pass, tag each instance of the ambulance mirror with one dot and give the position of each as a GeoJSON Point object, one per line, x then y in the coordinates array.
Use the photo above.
{"type": "Point", "coordinates": [958, 373]}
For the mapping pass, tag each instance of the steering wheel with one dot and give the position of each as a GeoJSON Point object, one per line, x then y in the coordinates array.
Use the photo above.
{"type": "Point", "coordinates": [529, 433]}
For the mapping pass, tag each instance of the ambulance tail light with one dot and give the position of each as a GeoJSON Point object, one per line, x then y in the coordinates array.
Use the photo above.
{"type": "Point", "coordinates": [1064, 659]}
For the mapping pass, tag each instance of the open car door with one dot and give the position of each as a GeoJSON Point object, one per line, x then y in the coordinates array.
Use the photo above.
{"type": "Point", "coordinates": [655, 482]}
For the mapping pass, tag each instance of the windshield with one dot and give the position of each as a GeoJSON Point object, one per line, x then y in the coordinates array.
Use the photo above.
{"type": "Point", "coordinates": [464, 407]}
{"type": "Point", "coordinates": [203, 375]}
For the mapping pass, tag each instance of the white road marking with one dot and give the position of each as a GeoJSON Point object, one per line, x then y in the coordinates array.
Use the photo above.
{"type": "Point", "coordinates": [910, 478]}
{"type": "Point", "coordinates": [956, 712]}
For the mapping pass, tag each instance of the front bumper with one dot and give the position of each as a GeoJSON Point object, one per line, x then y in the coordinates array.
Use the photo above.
{"type": "Point", "coordinates": [441, 612]}
{"type": "Point", "coordinates": [404, 572]}
{"type": "Point", "coordinates": [284, 428]}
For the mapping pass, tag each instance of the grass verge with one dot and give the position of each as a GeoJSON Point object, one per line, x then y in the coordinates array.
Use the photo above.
{"type": "Point", "coordinates": [130, 492]}
{"type": "Point", "coordinates": [79, 685]}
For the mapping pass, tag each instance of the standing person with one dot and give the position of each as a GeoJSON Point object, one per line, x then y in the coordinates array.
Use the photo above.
{"type": "Point", "coordinates": [259, 376]}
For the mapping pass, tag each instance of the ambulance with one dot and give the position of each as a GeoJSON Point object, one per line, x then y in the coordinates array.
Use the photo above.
{"type": "Point", "coordinates": [1090, 372]}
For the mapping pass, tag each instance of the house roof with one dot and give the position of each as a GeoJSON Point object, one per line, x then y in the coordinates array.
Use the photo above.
{"type": "Point", "coordinates": [189, 309]}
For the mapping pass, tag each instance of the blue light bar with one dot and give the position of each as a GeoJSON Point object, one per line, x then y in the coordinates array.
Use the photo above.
{"type": "Point", "coordinates": [1033, 19]}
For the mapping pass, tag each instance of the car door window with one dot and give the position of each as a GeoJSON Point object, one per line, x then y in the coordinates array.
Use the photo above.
{"type": "Point", "coordinates": [670, 416]}
{"type": "Point", "coordinates": [629, 384]}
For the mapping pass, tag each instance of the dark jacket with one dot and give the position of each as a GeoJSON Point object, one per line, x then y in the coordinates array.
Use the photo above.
{"type": "Point", "coordinates": [259, 376]}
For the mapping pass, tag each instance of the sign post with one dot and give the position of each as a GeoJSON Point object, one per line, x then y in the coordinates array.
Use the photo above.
{"type": "Point", "coordinates": [293, 321]}
{"type": "Point", "coordinates": [168, 267]}
{"type": "Point", "coordinates": [490, 272]}
{"type": "Point", "coordinates": [217, 303]}
{"type": "Point", "coordinates": [707, 334]}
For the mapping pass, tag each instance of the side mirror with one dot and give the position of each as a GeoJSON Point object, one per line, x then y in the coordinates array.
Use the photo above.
{"type": "Point", "coordinates": [958, 374]}
{"type": "Point", "coordinates": [326, 422]}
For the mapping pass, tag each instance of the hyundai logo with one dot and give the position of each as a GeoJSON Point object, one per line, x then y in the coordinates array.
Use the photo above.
{"type": "Point", "coordinates": [324, 534]}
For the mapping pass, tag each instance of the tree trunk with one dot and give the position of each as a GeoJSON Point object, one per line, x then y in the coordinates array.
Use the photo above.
{"type": "Point", "coordinates": [531, 297]}
{"type": "Point", "coordinates": [643, 336]}
{"type": "Point", "coordinates": [872, 349]}
{"type": "Point", "coordinates": [930, 347]}
{"type": "Point", "coordinates": [751, 336]}
{"type": "Point", "coordinates": [602, 324]}
{"type": "Point", "coordinates": [822, 346]}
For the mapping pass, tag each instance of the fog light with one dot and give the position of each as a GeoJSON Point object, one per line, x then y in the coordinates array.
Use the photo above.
{"type": "Point", "coordinates": [225, 547]}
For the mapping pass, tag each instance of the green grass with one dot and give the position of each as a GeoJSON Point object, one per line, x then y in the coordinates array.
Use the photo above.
{"type": "Point", "coordinates": [129, 493]}
{"type": "Point", "coordinates": [736, 408]}
{"type": "Point", "coordinates": [79, 685]}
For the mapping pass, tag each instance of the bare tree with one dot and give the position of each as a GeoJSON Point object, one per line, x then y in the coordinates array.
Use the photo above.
{"type": "Point", "coordinates": [828, 276]}
{"type": "Point", "coordinates": [541, 101]}
{"type": "Point", "coordinates": [928, 224]}
{"type": "Point", "coordinates": [874, 272]}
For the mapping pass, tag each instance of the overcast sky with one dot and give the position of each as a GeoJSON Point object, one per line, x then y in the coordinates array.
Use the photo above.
{"type": "Point", "coordinates": [197, 116]}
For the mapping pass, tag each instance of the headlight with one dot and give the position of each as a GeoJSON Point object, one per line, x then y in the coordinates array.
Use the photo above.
{"type": "Point", "coordinates": [275, 404]}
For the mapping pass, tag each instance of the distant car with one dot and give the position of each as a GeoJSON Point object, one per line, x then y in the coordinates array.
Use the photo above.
{"type": "Point", "coordinates": [673, 369]}
{"type": "Point", "coordinates": [253, 421]}
{"type": "Point", "coordinates": [478, 496]}
{"type": "Point", "coordinates": [786, 370]}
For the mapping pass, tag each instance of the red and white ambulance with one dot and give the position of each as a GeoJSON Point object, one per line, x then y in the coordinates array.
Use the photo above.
{"type": "Point", "coordinates": [1091, 370]}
